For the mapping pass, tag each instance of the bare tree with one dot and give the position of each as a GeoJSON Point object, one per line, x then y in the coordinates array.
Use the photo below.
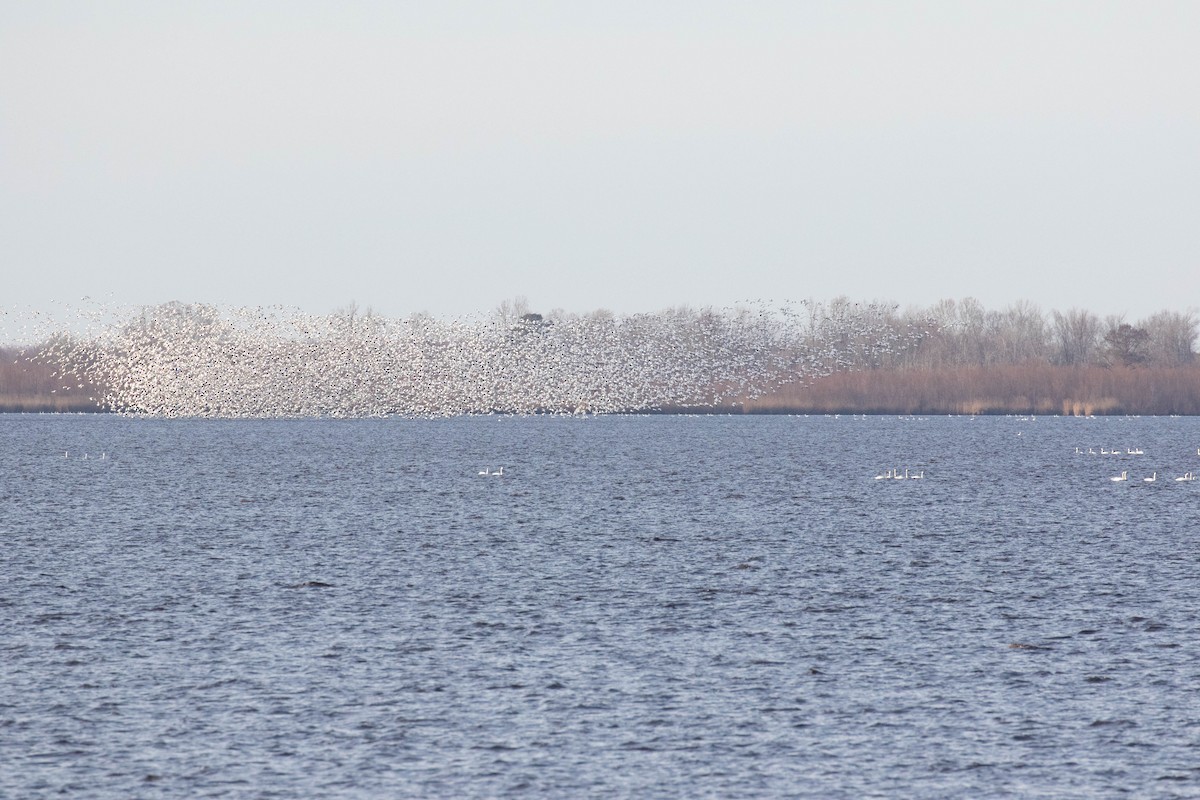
{"type": "Point", "coordinates": [1022, 334]}
{"type": "Point", "coordinates": [509, 312]}
{"type": "Point", "coordinates": [1077, 337]}
{"type": "Point", "coordinates": [1171, 337]}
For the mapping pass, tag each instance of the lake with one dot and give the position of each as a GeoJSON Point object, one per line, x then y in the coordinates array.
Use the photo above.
{"type": "Point", "coordinates": [642, 606]}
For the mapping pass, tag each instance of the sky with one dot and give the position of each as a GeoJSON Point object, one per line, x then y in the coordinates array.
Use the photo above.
{"type": "Point", "coordinates": [445, 157]}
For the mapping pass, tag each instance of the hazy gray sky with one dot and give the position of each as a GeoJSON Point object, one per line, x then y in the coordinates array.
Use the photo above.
{"type": "Point", "coordinates": [445, 156]}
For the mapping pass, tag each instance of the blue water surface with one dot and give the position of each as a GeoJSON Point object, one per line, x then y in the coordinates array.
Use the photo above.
{"type": "Point", "coordinates": [642, 606]}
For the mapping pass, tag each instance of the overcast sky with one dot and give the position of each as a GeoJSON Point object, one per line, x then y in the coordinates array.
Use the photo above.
{"type": "Point", "coordinates": [445, 156]}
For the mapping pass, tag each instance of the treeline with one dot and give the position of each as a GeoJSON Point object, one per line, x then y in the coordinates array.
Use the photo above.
{"type": "Point", "coordinates": [963, 333]}
{"type": "Point", "coordinates": [1018, 360]}
{"type": "Point", "coordinates": [955, 357]}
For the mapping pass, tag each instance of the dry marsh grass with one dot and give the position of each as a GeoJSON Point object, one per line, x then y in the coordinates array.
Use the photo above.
{"type": "Point", "coordinates": [1035, 388]}
{"type": "Point", "coordinates": [29, 386]}
{"type": "Point", "coordinates": [1009, 389]}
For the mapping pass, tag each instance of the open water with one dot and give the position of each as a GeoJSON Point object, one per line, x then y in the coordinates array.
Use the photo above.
{"type": "Point", "coordinates": [640, 606]}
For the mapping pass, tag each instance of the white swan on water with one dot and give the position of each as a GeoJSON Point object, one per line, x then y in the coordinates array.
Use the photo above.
{"type": "Point", "coordinates": [884, 476]}
{"type": "Point", "coordinates": [1151, 479]}
{"type": "Point", "coordinates": [1124, 476]}
{"type": "Point", "coordinates": [1187, 476]}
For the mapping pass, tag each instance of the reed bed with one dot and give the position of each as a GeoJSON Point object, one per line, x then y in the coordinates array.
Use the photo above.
{"type": "Point", "coordinates": [1006, 389]}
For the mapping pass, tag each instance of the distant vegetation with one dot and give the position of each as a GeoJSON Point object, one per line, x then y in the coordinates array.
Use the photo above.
{"type": "Point", "coordinates": [953, 357]}
{"type": "Point", "coordinates": [198, 360]}
{"type": "Point", "coordinates": [1001, 389]}
{"type": "Point", "coordinates": [1018, 360]}
{"type": "Point", "coordinates": [28, 384]}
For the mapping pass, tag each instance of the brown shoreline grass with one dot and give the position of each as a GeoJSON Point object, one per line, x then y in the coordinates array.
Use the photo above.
{"type": "Point", "coordinates": [42, 404]}
{"type": "Point", "coordinates": [1009, 389]}
{"type": "Point", "coordinates": [31, 387]}
{"type": "Point", "coordinates": [1034, 388]}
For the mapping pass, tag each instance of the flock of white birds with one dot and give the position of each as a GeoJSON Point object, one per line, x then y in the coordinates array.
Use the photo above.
{"type": "Point", "coordinates": [193, 360]}
{"type": "Point", "coordinates": [1123, 476]}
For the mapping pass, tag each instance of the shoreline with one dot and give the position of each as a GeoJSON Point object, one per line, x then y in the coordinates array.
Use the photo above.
{"type": "Point", "coordinates": [1038, 389]}
{"type": "Point", "coordinates": [722, 411]}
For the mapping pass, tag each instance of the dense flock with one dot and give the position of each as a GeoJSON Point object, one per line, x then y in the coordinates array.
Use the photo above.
{"type": "Point", "coordinates": [193, 360]}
